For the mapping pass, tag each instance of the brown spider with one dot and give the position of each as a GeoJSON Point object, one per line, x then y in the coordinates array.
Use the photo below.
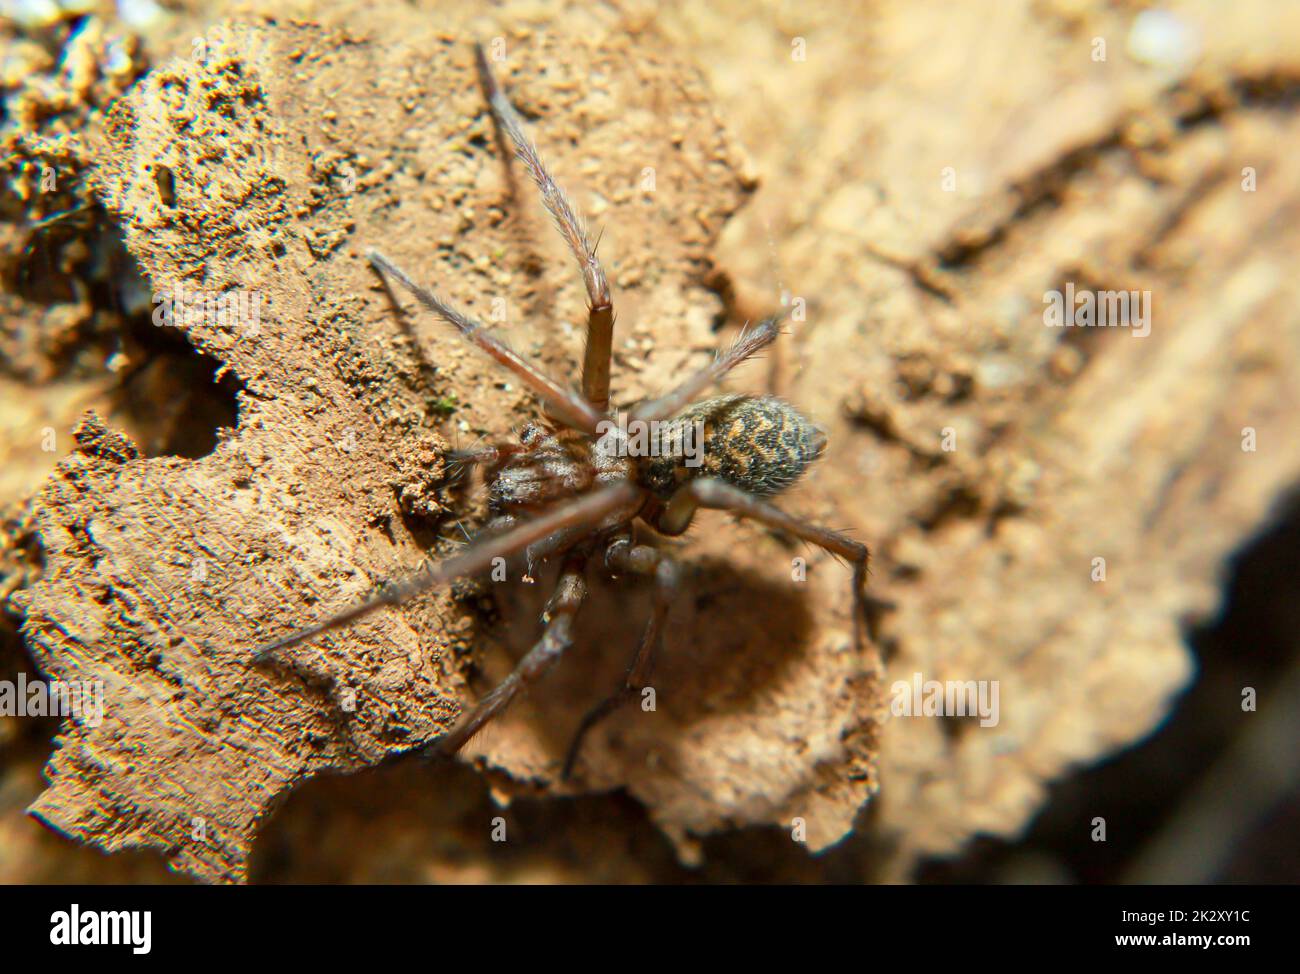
{"type": "Point", "coordinates": [575, 487]}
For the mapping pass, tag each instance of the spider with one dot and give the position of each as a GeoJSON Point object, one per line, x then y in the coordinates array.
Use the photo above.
{"type": "Point", "coordinates": [574, 487]}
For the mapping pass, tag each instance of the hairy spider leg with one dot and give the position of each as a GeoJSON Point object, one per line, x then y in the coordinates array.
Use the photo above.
{"type": "Point", "coordinates": [750, 343]}
{"type": "Point", "coordinates": [567, 406]}
{"type": "Point", "coordinates": [557, 638]}
{"type": "Point", "coordinates": [584, 511]}
{"type": "Point", "coordinates": [710, 492]}
{"type": "Point", "coordinates": [600, 308]}
{"type": "Point", "coordinates": [622, 556]}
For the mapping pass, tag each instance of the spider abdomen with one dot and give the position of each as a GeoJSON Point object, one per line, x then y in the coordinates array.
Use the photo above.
{"type": "Point", "coordinates": [759, 444]}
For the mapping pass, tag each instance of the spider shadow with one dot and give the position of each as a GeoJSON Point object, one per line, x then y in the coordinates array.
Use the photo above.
{"type": "Point", "coordinates": [731, 633]}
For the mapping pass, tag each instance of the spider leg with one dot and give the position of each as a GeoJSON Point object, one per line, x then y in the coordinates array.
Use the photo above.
{"type": "Point", "coordinates": [751, 342]}
{"type": "Point", "coordinates": [570, 591]}
{"type": "Point", "coordinates": [567, 406]}
{"type": "Point", "coordinates": [459, 462]}
{"type": "Point", "coordinates": [600, 308]}
{"type": "Point", "coordinates": [622, 556]}
{"type": "Point", "coordinates": [587, 510]}
{"type": "Point", "coordinates": [485, 455]}
{"type": "Point", "coordinates": [718, 494]}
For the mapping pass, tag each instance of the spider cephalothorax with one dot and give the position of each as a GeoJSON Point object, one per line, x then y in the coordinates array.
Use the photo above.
{"type": "Point", "coordinates": [575, 487]}
{"type": "Point", "coordinates": [551, 466]}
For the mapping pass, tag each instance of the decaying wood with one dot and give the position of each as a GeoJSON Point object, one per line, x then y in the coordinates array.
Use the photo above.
{"type": "Point", "coordinates": [926, 313]}
{"type": "Point", "coordinates": [292, 147]}
{"type": "Point", "coordinates": [282, 160]}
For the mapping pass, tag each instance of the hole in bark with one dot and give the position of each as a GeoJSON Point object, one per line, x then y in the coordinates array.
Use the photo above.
{"type": "Point", "coordinates": [171, 398]}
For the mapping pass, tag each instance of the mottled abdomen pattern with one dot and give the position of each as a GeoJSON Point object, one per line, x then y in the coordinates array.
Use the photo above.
{"type": "Point", "coordinates": [760, 444]}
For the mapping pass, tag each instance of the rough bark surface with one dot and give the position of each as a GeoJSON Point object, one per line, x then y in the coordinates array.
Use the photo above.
{"type": "Point", "coordinates": [920, 193]}
{"type": "Point", "coordinates": [286, 149]}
